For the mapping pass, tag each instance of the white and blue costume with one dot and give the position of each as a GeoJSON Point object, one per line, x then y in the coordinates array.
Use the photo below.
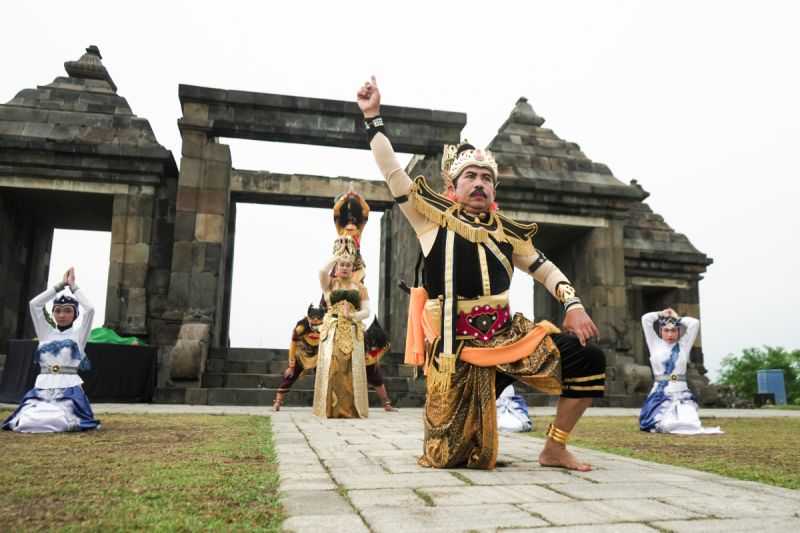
{"type": "Point", "coordinates": [512, 412]}
{"type": "Point", "coordinates": [670, 407]}
{"type": "Point", "coordinates": [57, 402]}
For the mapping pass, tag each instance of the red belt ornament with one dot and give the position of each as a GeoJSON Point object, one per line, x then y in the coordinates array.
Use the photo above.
{"type": "Point", "coordinates": [482, 322]}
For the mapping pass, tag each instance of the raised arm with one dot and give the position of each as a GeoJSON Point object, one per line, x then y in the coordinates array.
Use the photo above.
{"type": "Point", "coordinates": [88, 308]}
{"type": "Point", "coordinates": [36, 305]}
{"type": "Point", "coordinates": [325, 274]}
{"type": "Point", "coordinates": [87, 316]}
{"type": "Point", "coordinates": [692, 329]}
{"type": "Point", "coordinates": [369, 101]}
{"type": "Point", "coordinates": [650, 335]}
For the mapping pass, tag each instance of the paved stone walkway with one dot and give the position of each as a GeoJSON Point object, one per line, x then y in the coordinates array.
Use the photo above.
{"type": "Point", "coordinates": [362, 476]}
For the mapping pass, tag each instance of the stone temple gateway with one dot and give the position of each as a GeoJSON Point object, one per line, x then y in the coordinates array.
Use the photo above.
{"type": "Point", "coordinates": [77, 142]}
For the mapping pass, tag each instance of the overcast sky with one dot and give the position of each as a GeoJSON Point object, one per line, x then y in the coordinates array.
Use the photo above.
{"type": "Point", "coordinates": [696, 100]}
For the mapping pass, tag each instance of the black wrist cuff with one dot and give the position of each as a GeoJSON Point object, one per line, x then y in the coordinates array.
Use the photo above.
{"type": "Point", "coordinates": [374, 125]}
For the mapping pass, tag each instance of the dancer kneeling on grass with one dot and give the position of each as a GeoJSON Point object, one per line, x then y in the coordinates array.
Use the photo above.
{"type": "Point", "coordinates": [57, 402]}
{"type": "Point", "coordinates": [670, 407]}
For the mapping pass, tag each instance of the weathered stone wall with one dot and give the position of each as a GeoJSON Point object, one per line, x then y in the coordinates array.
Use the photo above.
{"type": "Point", "coordinates": [172, 232]}
{"type": "Point", "coordinates": [24, 267]}
{"type": "Point", "coordinates": [197, 279]}
{"type": "Point", "coordinates": [126, 296]}
{"type": "Point", "coordinates": [75, 142]}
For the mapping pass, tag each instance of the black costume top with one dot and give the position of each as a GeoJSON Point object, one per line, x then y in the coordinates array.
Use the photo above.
{"type": "Point", "coordinates": [493, 230]}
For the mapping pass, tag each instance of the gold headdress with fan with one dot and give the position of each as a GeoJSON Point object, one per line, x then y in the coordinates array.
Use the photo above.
{"type": "Point", "coordinates": [345, 248]}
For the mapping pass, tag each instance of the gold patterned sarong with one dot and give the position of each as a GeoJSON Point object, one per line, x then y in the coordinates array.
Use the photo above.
{"type": "Point", "coordinates": [340, 385]}
{"type": "Point", "coordinates": [461, 420]}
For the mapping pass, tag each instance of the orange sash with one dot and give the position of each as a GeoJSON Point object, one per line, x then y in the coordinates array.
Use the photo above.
{"type": "Point", "coordinates": [418, 329]}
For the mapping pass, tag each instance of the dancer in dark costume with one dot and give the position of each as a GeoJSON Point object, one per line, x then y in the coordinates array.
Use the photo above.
{"type": "Point", "coordinates": [302, 351]}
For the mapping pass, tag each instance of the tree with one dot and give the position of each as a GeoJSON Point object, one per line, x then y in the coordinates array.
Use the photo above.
{"type": "Point", "coordinates": [739, 371]}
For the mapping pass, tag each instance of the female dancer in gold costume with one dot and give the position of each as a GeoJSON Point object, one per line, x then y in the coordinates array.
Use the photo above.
{"type": "Point", "coordinates": [340, 389]}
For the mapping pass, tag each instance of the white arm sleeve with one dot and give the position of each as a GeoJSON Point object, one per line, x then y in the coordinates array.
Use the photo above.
{"type": "Point", "coordinates": [87, 317]}
{"type": "Point", "coordinates": [36, 305]}
{"type": "Point", "coordinates": [548, 274]}
{"type": "Point", "coordinates": [687, 339]}
{"type": "Point", "coordinates": [325, 275]}
{"type": "Point", "coordinates": [399, 183]}
{"type": "Point", "coordinates": [362, 313]}
{"type": "Point", "coordinates": [650, 335]}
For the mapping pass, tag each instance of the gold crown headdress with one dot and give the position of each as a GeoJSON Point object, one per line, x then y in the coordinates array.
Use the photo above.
{"type": "Point", "coordinates": [456, 158]}
{"type": "Point", "coordinates": [345, 247]}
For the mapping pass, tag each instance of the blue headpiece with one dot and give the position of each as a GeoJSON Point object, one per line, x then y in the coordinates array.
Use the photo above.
{"type": "Point", "coordinates": [667, 322]}
{"type": "Point", "coordinates": [65, 299]}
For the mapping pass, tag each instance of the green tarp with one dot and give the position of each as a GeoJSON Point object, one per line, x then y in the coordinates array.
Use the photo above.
{"type": "Point", "coordinates": [110, 336]}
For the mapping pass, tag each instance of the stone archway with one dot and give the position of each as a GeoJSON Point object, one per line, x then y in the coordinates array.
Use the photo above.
{"type": "Point", "coordinates": [172, 230]}
{"type": "Point", "coordinates": [208, 189]}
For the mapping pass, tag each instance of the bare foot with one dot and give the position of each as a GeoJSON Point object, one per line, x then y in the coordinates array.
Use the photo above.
{"type": "Point", "coordinates": [559, 457]}
{"type": "Point", "coordinates": [389, 408]}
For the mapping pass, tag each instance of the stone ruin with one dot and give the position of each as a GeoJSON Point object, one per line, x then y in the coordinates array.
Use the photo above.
{"type": "Point", "coordinates": [77, 142]}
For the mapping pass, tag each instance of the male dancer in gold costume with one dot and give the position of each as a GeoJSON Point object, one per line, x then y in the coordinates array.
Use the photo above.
{"type": "Point", "coordinates": [460, 326]}
{"type": "Point", "coordinates": [302, 351]}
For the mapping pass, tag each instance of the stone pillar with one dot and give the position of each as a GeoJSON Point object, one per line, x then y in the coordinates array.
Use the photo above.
{"type": "Point", "coordinates": [399, 253]}
{"type": "Point", "coordinates": [25, 244]}
{"type": "Point", "coordinates": [37, 270]}
{"type": "Point", "coordinates": [197, 277]}
{"type": "Point", "coordinates": [131, 229]}
{"type": "Point", "coordinates": [600, 282]}
{"type": "Point", "coordinates": [163, 328]}
{"type": "Point", "coordinates": [13, 259]}
{"type": "Point", "coordinates": [224, 338]}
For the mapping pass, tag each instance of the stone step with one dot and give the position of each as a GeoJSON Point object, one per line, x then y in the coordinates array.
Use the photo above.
{"type": "Point", "coordinates": [218, 366]}
{"type": "Point", "coordinates": [248, 354]}
{"type": "Point", "coordinates": [171, 395]}
{"type": "Point", "coordinates": [269, 355]}
{"type": "Point", "coordinates": [298, 398]}
{"type": "Point", "coordinates": [273, 381]}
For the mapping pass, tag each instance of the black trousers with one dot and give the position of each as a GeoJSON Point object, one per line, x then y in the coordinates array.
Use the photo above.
{"type": "Point", "coordinates": [374, 376]}
{"type": "Point", "coordinates": [583, 369]}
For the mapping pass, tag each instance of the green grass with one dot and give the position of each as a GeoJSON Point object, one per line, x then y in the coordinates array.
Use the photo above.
{"type": "Point", "coordinates": [143, 472]}
{"type": "Point", "coordinates": [754, 449]}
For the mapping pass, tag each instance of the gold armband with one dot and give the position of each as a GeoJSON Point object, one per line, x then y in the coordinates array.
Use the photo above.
{"type": "Point", "coordinates": [566, 295]}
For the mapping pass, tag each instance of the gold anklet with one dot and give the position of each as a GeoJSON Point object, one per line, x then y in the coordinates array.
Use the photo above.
{"type": "Point", "coordinates": [558, 435]}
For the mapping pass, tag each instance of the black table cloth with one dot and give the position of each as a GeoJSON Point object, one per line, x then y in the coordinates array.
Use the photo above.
{"type": "Point", "coordinates": [119, 373]}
